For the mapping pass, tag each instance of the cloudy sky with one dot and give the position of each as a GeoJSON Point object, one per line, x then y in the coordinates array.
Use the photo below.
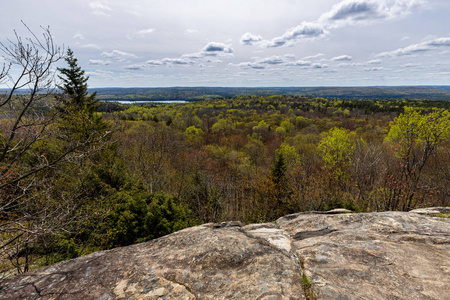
{"type": "Point", "coordinates": [162, 43]}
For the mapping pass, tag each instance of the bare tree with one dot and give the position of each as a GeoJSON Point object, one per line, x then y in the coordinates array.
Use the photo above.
{"type": "Point", "coordinates": [33, 147]}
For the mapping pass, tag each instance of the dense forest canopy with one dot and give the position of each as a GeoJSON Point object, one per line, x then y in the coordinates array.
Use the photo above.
{"type": "Point", "coordinates": [199, 93]}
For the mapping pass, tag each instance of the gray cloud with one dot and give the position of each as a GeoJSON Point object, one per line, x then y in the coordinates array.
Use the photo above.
{"type": "Point", "coordinates": [374, 69]}
{"type": "Point", "coordinates": [273, 60]}
{"type": "Point", "coordinates": [135, 67]}
{"type": "Point", "coordinates": [196, 55]}
{"type": "Point", "coordinates": [353, 10]}
{"type": "Point", "coordinates": [289, 56]}
{"type": "Point", "coordinates": [347, 12]}
{"type": "Point", "coordinates": [417, 48]}
{"type": "Point", "coordinates": [319, 66]}
{"type": "Point", "coordinates": [342, 58]}
{"type": "Point", "coordinates": [214, 47]}
{"type": "Point", "coordinates": [259, 63]}
{"type": "Point", "coordinates": [303, 31]}
{"type": "Point", "coordinates": [250, 39]}
{"type": "Point", "coordinates": [357, 11]}
{"type": "Point", "coordinates": [211, 49]}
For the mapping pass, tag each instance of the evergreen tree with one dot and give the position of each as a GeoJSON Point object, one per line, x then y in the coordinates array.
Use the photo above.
{"type": "Point", "coordinates": [280, 186]}
{"type": "Point", "coordinates": [74, 86]}
{"type": "Point", "coordinates": [76, 107]}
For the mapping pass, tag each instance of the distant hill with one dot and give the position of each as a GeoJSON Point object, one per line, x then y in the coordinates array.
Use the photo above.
{"type": "Point", "coordinates": [198, 93]}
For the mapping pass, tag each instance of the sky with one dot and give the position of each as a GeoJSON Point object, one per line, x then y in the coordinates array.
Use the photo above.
{"type": "Point", "coordinates": [245, 43]}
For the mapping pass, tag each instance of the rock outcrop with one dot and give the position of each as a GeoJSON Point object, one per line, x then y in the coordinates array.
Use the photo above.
{"type": "Point", "coordinates": [335, 255]}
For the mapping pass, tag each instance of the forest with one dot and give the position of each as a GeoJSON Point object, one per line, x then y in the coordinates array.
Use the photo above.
{"type": "Point", "coordinates": [78, 175]}
{"type": "Point", "coordinates": [201, 93]}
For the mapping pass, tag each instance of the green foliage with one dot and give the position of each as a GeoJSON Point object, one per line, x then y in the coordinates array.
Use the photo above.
{"type": "Point", "coordinates": [247, 158]}
{"type": "Point", "coordinates": [224, 125]}
{"type": "Point", "coordinates": [336, 148]}
{"type": "Point", "coordinates": [78, 118]}
{"type": "Point", "coordinates": [413, 128]}
{"type": "Point", "coordinates": [290, 155]}
{"type": "Point", "coordinates": [139, 217]}
{"type": "Point", "coordinates": [194, 134]}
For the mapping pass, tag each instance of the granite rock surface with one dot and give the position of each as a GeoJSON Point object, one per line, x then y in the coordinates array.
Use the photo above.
{"type": "Point", "coordinates": [314, 255]}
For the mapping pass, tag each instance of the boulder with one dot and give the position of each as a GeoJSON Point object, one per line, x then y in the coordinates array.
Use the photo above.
{"type": "Point", "coordinates": [339, 255]}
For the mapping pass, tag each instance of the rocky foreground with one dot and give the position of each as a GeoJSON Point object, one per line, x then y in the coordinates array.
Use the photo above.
{"type": "Point", "coordinates": [333, 255]}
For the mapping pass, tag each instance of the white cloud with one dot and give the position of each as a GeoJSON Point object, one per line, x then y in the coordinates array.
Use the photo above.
{"type": "Point", "coordinates": [250, 39]}
{"type": "Point", "coordinates": [410, 65]}
{"type": "Point", "coordinates": [248, 65]}
{"type": "Point", "coordinates": [99, 62]}
{"type": "Point", "coordinates": [140, 33]}
{"type": "Point", "coordinates": [154, 62]}
{"type": "Point", "coordinates": [170, 62]}
{"type": "Point", "coordinates": [374, 62]}
{"type": "Point", "coordinates": [91, 46]}
{"type": "Point", "coordinates": [177, 61]}
{"type": "Point", "coordinates": [118, 55]}
{"type": "Point", "coordinates": [78, 36]}
{"type": "Point", "coordinates": [100, 8]}
{"type": "Point", "coordinates": [299, 63]}
{"type": "Point", "coordinates": [191, 31]}
{"type": "Point", "coordinates": [144, 32]}
{"type": "Point", "coordinates": [418, 48]}
{"type": "Point", "coordinates": [313, 56]}
{"type": "Point", "coordinates": [342, 58]}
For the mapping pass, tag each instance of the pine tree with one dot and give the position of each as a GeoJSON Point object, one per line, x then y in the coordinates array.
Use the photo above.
{"type": "Point", "coordinates": [280, 186]}
{"type": "Point", "coordinates": [76, 107]}
{"type": "Point", "coordinates": [74, 86]}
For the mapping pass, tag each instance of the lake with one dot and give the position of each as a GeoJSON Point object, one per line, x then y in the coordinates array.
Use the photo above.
{"type": "Point", "coordinates": [148, 101]}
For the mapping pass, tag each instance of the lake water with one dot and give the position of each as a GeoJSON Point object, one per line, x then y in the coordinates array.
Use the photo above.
{"type": "Point", "coordinates": [149, 101]}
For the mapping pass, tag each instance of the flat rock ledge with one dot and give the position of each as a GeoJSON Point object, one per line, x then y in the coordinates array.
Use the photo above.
{"type": "Point", "coordinates": [335, 255]}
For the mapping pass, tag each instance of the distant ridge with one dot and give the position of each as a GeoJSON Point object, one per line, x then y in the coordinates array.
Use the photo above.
{"type": "Point", "coordinates": [432, 92]}
{"type": "Point", "coordinates": [198, 93]}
